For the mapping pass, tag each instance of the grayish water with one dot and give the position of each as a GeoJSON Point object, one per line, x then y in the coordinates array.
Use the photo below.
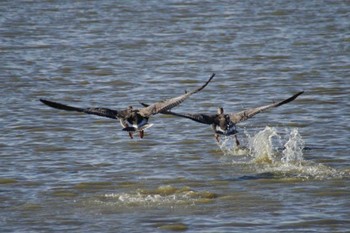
{"type": "Point", "coordinates": [63, 171]}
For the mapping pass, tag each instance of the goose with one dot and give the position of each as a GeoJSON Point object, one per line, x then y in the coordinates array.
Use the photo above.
{"type": "Point", "coordinates": [131, 119]}
{"type": "Point", "coordinates": [225, 124]}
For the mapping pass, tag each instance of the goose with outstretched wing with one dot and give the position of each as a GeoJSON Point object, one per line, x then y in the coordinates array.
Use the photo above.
{"type": "Point", "coordinates": [131, 119]}
{"type": "Point", "coordinates": [225, 124]}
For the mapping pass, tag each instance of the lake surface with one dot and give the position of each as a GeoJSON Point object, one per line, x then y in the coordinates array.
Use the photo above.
{"type": "Point", "coordinates": [66, 171]}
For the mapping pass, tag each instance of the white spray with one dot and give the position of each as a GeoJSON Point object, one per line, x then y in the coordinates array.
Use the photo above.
{"type": "Point", "coordinates": [293, 149]}
{"type": "Point", "coordinates": [261, 145]}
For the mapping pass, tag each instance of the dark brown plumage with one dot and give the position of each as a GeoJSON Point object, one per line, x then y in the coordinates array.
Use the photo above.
{"type": "Point", "coordinates": [131, 119]}
{"type": "Point", "coordinates": [225, 124]}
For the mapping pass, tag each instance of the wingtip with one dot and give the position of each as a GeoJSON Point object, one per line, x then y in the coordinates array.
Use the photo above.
{"type": "Point", "coordinates": [296, 95]}
{"type": "Point", "coordinates": [143, 104]}
{"type": "Point", "coordinates": [212, 76]}
{"type": "Point", "coordinates": [42, 100]}
{"type": "Point", "coordinates": [47, 102]}
{"type": "Point", "coordinates": [299, 93]}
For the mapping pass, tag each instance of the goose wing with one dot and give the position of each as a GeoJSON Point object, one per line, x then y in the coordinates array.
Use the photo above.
{"type": "Point", "coordinates": [168, 104]}
{"type": "Point", "coordinates": [200, 118]}
{"type": "Point", "coordinates": [246, 114]}
{"type": "Point", "coordinates": [104, 112]}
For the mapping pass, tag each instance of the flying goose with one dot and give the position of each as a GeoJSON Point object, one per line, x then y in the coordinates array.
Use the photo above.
{"type": "Point", "coordinates": [225, 124]}
{"type": "Point", "coordinates": [131, 119]}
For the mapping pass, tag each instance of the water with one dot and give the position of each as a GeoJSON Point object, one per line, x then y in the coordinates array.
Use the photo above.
{"type": "Point", "coordinates": [63, 171]}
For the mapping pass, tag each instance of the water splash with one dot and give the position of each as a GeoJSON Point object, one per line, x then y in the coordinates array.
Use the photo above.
{"type": "Point", "coordinates": [268, 152]}
{"type": "Point", "coordinates": [293, 152]}
{"type": "Point", "coordinates": [262, 145]}
{"type": "Point", "coordinates": [228, 146]}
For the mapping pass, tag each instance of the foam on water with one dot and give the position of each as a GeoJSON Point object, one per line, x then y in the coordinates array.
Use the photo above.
{"type": "Point", "coordinates": [162, 196]}
{"type": "Point", "coordinates": [264, 154]}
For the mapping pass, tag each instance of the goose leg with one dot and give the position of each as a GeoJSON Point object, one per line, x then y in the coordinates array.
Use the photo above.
{"type": "Point", "coordinates": [142, 133]}
{"type": "Point", "coordinates": [130, 135]}
{"type": "Point", "coordinates": [217, 137]}
{"type": "Point", "coordinates": [237, 142]}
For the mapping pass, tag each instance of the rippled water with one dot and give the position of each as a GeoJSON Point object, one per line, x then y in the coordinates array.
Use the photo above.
{"type": "Point", "coordinates": [63, 171]}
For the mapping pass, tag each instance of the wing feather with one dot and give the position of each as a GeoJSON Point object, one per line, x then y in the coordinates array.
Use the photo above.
{"type": "Point", "coordinates": [246, 114]}
{"type": "Point", "coordinates": [200, 118]}
{"type": "Point", "coordinates": [104, 112]}
{"type": "Point", "coordinates": [170, 103]}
